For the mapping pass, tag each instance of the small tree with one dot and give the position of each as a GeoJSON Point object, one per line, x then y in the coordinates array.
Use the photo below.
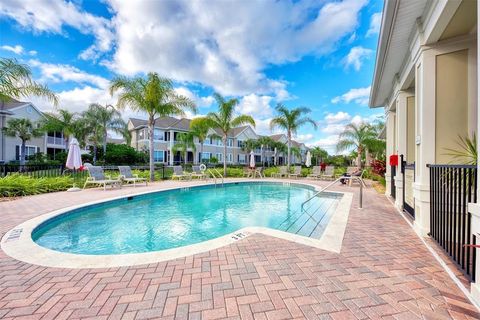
{"type": "Point", "coordinates": [23, 129]}
{"type": "Point", "coordinates": [185, 142]}
{"type": "Point", "coordinates": [200, 127]}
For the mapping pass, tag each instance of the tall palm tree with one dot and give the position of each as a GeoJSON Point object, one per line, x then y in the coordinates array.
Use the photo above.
{"type": "Point", "coordinates": [248, 146]}
{"type": "Point", "coordinates": [185, 141]}
{"type": "Point", "coordinates": [200, 127]}
{"type": "Point", "coordinates": [319, 153]}
{"type": "Point", "coordinates": [278, 148]}
{"type": "Point", "coordinates": [93, 127]}
{"type": "Point", "coordinates": [126, 134]}
{"type": "Point", "coordinates": [291, 121]}
{"type": "Point", "coordinates": [265, 143]}
{"type": "Point", "coordinates": [225, 120]}
{"type": "Point", "coordinates": [108, 118]}
{"type": "Point", "coordinates": [357, 137]}
{"type": "Point", "coordinates": [63, 121]}
{"type": "Point", "coordinates": [15, 83]}
{"type": "Point", "coordinates": [153, 95]}
{"type": "Point", "coordinates": [23, 129]}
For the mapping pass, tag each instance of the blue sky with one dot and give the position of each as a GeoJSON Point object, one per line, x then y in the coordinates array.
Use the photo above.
{"type": "Point", "coordinates": [318, 54]}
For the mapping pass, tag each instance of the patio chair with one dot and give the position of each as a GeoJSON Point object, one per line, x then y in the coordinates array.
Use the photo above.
{"type": "Point", "coordinates": [329, 173]}
{"type": "Point", "coordinates": [179, 174]}
{"type": "Point", "coordinates": [316, 172]}
{"type": "Point", "coordinates": [297, 172]}
{"type": "Point", "coordinates": [358, 179]}
{"type": "Point", "coordinates": [127, 176]}
{"type": "Point", "coordinates": [197, 173]}
{"type": "Point", "coordinates": [247, 172]}
{"type": "Point", "coordinates": [98, 177]}
{"type": "Point", "coordinates": [281, 173]}
{"type": "Point", "coordinates": [351, 170]}
{"type": "Point", "coordinates": [259, 171]}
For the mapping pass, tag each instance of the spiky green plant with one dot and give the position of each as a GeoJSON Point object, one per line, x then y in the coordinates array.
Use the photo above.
{"type": "Point", "coordinates": [467, 152]}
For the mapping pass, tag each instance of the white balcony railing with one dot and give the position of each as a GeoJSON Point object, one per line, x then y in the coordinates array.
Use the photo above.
{"type": "Point", "coordinates": [56, 141]}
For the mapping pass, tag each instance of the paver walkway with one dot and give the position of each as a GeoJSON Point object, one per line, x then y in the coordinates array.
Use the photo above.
{"type": "Point", "coordinates": [383, 272]}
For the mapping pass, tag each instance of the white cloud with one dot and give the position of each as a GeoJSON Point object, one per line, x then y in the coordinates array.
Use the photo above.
{"type": "Point", "coordinates": [17, 49]}
{"type": "Point", "coordinates": [32, 52]}
{"type": "Point", "coordinates": [358, 95]}
{"type": "Point", "coordinates": [53, 16]}
{"type": "Point", "coordinates": [304, 137]}
{"type": "Point", "coordinates": [356, 56]}
{"type": "Point", "coordinates": [201, 102]}
{"type": "Point", "coordinates": [186, 42]}
{"type": "Point", "coordinates": [340, 116]}
{"type": "Point", "coordinates": [255, 105]}
{"type": "Point", "coordinates": [328, 143]}
{"type": "Point", "coordinates": [62, 72]}
{"type": "Point", "coordinates": [375, 23]}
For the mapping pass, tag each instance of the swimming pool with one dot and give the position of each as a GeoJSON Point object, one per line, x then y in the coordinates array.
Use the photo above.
{"type": "Point", "coordinates": [180, 217]}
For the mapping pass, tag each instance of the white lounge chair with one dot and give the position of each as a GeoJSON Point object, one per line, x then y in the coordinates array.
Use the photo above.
{"type": "Point", "coordinates": [329, 173]}
{"type": "Point", "coordinates": [179, 174]}
{"type": "Point", "coordinates": [98, 177]}
{"type": "Point", "coordinates": [127, 176]}
{"type": "Point", "coordinates": [281, 173]}
{"type": "Point", "coordinates": [297, 172]}
{"type": "Point", "coordinates": [316, 172]}
{"type": "Point", "coordinates": [198, 173]}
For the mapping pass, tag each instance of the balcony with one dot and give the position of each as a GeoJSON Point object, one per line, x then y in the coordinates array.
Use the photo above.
{"type": "Point", "coordinates": [56, 141]}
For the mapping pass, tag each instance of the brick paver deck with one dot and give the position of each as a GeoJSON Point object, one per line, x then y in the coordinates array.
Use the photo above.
{"type": "Point", "coordinates": [383, 272]}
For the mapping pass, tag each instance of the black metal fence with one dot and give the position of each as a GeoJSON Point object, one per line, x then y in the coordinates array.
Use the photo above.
{"type": "Point", "coordinates": [452, 187]}
{"type": "Point", "coordinates": [393, 190]}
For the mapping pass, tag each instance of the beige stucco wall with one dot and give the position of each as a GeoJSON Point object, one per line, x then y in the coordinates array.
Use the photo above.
{"type": "Point", "coordinates": [451, 98]}
{"type": "Point", "coordinates": [411, 129]}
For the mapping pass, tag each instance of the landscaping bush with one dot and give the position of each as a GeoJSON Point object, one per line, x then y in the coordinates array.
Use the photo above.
{"type": "Point", "coordinates": [121, 154]}
{"type": "Point", "coordinates": [16, 185]}
{"type": "Point", "coordinates": [378, 167]}
{"type": "Point", "coordinates": [234, 172]}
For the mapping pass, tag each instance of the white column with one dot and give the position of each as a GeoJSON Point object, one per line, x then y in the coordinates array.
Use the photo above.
{"type": "Point", "coordinates": [401, 134]}
{"type": "Point", "coordinates": [171, 143]}
{"type": "Point", "coordinates": [425, 138]}
{"type": "Point", "coordinates": [474, 208]}
{"type": "Point", "coordinates": [390, 145]}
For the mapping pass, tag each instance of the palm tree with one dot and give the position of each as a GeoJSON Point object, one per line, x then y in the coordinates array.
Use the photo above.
{"type": "Point", "coordinates": [15, 83]}
{"type": "Point", "coordinates": [291, 121]}
{"type": "Point", "coordinates": [200, 127]}
{"type": "Point", "coordinates": [93, 127]}
{"type": "Point", "coordinates": [23, 129]}
{"type": "Point", "coordinates": [225, 120]}
{"type": "Point", "coordinates": [185, 141]}
{"type": "Point", "coordinates": [108, 118]}
{"type": "Point", "coordinates": [248, 146]}
{"type": "Point", "coordinates": [125, 133]}
{"type": "Point", "coordinates": [357, 137]}
{"type": "Point", "coordinates": [278, 148]}
{"type": "Point", "coordinates": [264, 143]}
{"type": "Point", "coordinates": [153, 95]}
{"type": "Point", "coordinates": [63, 121]}
{"type": "Point", "coordinates": [319, 153]}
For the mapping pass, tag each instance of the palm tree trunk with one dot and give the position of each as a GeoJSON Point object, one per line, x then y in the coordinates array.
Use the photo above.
{"type": "Point", "coordinates": [151, 123]}
{"type": "Point", "coordinates": [22, 154]}
{"type": "Point", "coordinates": [201, 153]}
{"type": "Point", "coordinates": [224, 155]}
{"type": "Point", "coordinates": [95, 153]}
{"type": "Point", "coordinates": [359, 156]}
{"type": "Point", "coordinates": [289, 150]}
{"type": "Point", "coordinates": [104, 144]}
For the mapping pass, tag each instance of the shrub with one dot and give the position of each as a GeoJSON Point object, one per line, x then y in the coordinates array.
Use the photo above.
{"type": "Point", "coordinates": [16, 185]}
{"type": "Point", "coordinates": [378, 167]}
{"type": "Point", "coordinates": [121, 154]}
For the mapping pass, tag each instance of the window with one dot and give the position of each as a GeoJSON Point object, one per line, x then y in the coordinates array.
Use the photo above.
{"type": "Point", "coordinates": [241, 158]}
{"type": "Point", "coordinates": [29, 151]}
{"type": "Point", "coordinates": [158, 134]}
{"type": "Point", "coordinates": [240, 143]}
{"type": "Point", "coordinates": [220, 157]}
{"type": "Point", "coordinates": [205, 156]}
{"type": "Point", "coordinates": [229, 157]}
{"type": "Point", "coordinates": [158, 156]}
{"type": "Point", "coordinates": [229, 142]}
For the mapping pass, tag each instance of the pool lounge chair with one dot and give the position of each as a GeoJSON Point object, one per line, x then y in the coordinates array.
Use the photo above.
{"type": "Point", "coordinates": [127, 176]}
{"type": "Point", "coordinates": [179, 174]}
{"type": "Point", "coordinates": [297, 172]}
{"type": "Point", "coordinates": [98, 177]}
{"type": "Point", "coordinates": [197, 173]}
{"type": "Point", "coordinates": [247, 172]}
{"type": "Point", "coordinates": [329, 173]}
{"type": "Point", "coordinates": [281, 173]}
{"type": "Point", "coordinates": [359, 179]}
{"type": "Point", "coordinates": [316, 172]}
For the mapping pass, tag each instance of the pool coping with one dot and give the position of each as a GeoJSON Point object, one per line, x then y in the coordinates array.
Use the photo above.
{"type": "Point", "coordinates": [18, 242]}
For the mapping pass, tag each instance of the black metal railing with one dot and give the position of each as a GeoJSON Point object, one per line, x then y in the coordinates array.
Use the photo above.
{"type": "Point", "coordinates": [34, 170]}
{"type": "Point", "coordinates": [393, 190]}
{"type": "Point", "coordinates": [452, 187]}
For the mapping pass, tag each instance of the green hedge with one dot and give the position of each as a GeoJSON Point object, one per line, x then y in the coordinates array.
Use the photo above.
{"type": "Point", "coordinates": [16, 185]}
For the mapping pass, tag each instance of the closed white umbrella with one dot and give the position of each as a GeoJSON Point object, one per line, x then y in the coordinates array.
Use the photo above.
{"type": "Point", "coordinates": [74, 159]}
{"type": "Point", "coordinates": [308, 161]}
{"type": "Point", "coordinates": [252, 159]}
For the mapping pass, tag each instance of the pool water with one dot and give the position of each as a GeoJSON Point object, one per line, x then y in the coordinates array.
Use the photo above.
{"type": "Point", "coordinates": [175, 218]}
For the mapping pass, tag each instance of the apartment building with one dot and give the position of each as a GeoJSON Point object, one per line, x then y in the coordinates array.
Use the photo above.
{"type": "Point", "coordinates": [167, 130]}
{"type": "Point", "coordinates": [426, 79]}
{"type": "Point", "coordinates": [49, 143]}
